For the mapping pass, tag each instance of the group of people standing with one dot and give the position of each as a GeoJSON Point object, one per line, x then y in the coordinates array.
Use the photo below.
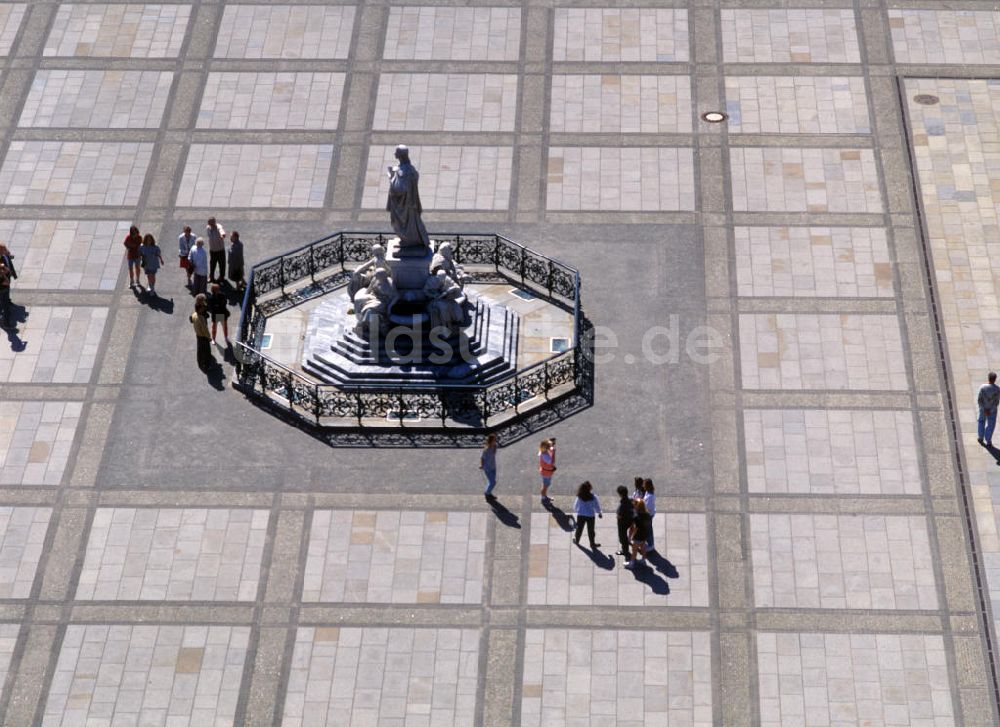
{"type": "Point", "coordinates": [204, 259]}
{"type": "Point", "coordinates": [635, 513]}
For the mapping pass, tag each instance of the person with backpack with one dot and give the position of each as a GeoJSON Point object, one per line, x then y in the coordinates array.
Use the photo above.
{"type": "Point", "coordinates": [586, 506]}
{"type": "Point", "coordinates": [642, 528]}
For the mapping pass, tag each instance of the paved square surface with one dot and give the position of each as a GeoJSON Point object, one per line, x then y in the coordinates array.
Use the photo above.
{"type": "Point", "coordinates": [793, 310]}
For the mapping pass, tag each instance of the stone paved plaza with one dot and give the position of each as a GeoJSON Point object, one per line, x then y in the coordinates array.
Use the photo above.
{"type": "Point", "coordinates": [828, 528]}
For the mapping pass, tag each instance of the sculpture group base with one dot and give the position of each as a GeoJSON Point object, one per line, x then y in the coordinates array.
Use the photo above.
{"type": "Point", "coordinates": [481, 352]}
{"type": "Point", "coordinates": [408, 266]}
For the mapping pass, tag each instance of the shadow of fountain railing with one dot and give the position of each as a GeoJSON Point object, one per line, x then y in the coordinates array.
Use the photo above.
{"type": "Point", "coordinates": [313, 270]}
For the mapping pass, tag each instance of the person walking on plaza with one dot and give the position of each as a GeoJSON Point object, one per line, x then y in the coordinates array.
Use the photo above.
{"type": "Point", "coordinates": [641, 530]}
{"type": "Point", "coordinates": [586, 506]}
{"type": "Point", "coordinates": [198, 261]}
{"type": "Point", "coordinates": [185, 241]}
{"type": "Point", "coordinates": [547, 465]}
{"type": "Point", "coordinates": [488, 463]}
{"type": "Point", "coordinates": [626, 517]}
{"type": "Point", "coordinates": [199, 321]}
{"type": "Point", "coordinates": [152, 259]}
{"type": "Point", "coordinates": [5, 278]}
{"type": "Point", "coordinates": [219, 310]}
{"type": "Point", "coordinates": [987, 401]}
{"type": "Point", "coordinates": [649, 500]}
{"type": "Point", "coordinates": [235, 261]}
{"type": "Point", "coordinates": [216, 237]}
{"type": "Point", "coordinates": [133, 258]}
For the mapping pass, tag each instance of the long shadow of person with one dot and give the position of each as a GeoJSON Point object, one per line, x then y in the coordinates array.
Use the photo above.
{"type": "Point", "coordinates": [644, 574]}
{"type": "Point", "coordinates": [993, 451]}
{"type": "Point", "coordinates": [662, 564]}
{"type": "Point", "coordinates": [16, 343]}
{"type": "Point", "coordinates": [562, 519]}
{"type": "Point", "coordinates": [155, 302]}
{"type": "Point", "coordinates": [216, 375]}
{"type": "Point", "coordinates": [502, 514]}
{"type": "Point", "coordinates": [605, 562]}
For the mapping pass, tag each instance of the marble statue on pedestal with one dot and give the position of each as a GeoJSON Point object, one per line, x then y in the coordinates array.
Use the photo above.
{"type": "Point", "coordinates": [362, 277]}
{"type": "Point", "coordinates": [444, 302]}
{"type": "Point", "coordinates": [371, 305]}
{"type": "Point", "coordinates": [403, 206]}
{"type": "Point", "coordinates": [443, 260]}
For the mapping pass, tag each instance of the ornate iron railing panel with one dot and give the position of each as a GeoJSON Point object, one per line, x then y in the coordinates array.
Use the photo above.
{"type": "Point", "coordinates": [332, 258]}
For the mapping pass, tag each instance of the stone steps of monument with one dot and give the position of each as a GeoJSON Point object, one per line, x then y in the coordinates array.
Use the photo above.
{"type": "Point", "coordinates": [334, 369]}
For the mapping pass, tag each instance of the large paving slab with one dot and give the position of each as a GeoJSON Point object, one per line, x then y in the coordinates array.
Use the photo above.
{"type": "Point", "coordinates": [788, 343]}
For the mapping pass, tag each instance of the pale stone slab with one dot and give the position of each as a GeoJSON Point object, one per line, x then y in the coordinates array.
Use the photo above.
{"type": "Point", "coordinates": [451, 177]}
{"type": "Point", "coordinates": [646, 179]}
{"type": "Point", "coordinates": [74, 173]}
{"type": "Point", "coordinates": [285, 31]}
{"type": "Point", "coordinates": [121, 674]}
{"type": "Point", "coordinates": [172, 554]}
{"type": "Point", "coordinates": [11, 15]}
{"type": "Point", "coordinates": [842, 561]}
{"type": "Point", "coordinates": [778, 35]}
{"type": "Point", "coordinates": [287, 101]}
{"type": "Point", "coordinates": [598, 103]}
{"type": "Point", "coordinates": [446, 102]}
{"type": "Point", "coordinates": [256, 175]}
{"type": "Point", "coordinates": [821, 351]}
{"type": "Point", "coordinates": [613, 35]}
{"type": "Point", "coordinates": [835, 679]}
{"type": "Point", "coordinates": [22, 537]}
{"type": "Point", "coordinates": [772, 179]}
{"type": "Point", "coordinates": [35, 440]}
{"type": "Point", "coordinates": [60, 346]}
{"type": "Point", "coordinates": [66, 254]}
{"type": "Point", "coordinates": [958, 161]}
{"type": "Point", "coordinates": [616, 677]}
{"type": "Point", "coordinates": [831, 452]}
{"type": "Point", "coordinates": [395, 557]}
{"type": "Point", "coordinates": [424, 33]}
{"type": "Point", "coordinates": [97, 99]}
{"type": "Point", "coordinates": [797, 105]}
{"type": "Point", "coordinates": [380, 676]}
{"type": "Point", "coordinates": [965, 37]}
{"type": "Point", "coordinates": [117, 30]}
{"type": "Point", "coordinates": [813, 262]}
{"type": "Point", "coordinates": [562, 574]}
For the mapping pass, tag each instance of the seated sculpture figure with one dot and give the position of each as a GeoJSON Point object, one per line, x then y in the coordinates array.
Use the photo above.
{"type": "Point", "coordinates": [444, 260]}
{"type": "Point", "coordinates": [445, 302]}
{"type": "Point", "coordinates": [362, 276]}
{"type": "Point", "coordinates": [371, 305]}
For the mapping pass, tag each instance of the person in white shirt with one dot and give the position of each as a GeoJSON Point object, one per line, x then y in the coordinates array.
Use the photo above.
{"type": "Point", "coordinates": [198, 259]}
{"type": "Point", "coordinates": [184, 244]}
{"type": "Point", "coordinates": [649, 499]}
{"type": "Point", "coordinates": [216, 237]}
{"type": "Point", "coordinates": [586, 506]}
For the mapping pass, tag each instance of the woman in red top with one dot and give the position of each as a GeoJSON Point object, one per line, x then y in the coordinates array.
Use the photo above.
{"type": "Point", "coordinates": [546, 465]}
{"type": "Point", "coordinates": [133, 257]}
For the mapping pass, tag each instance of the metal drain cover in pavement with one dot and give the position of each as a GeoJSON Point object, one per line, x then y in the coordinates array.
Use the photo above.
{"type": "Point", "coordinates": [714, 117]}
{"type": "Point", "coordinates": [926, 99]}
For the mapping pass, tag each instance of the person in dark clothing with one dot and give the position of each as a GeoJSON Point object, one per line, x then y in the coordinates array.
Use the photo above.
{"type": "Point", "coordinates": [642, 528]}
{"type": "Point", "coordinates": [199, 320]}
{"type": "Point", "coordinates": [5, 296]}
{"type": "Point", "coordinates": [586, 506]}
{"type": "Point", "coordinates": [626, 516]}
{"type": "Point", "coordinates": [219, 309]}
